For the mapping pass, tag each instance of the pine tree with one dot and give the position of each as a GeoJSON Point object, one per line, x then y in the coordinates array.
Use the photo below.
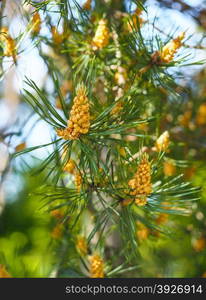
{"type": "Point", "coordinates": [111, 179]}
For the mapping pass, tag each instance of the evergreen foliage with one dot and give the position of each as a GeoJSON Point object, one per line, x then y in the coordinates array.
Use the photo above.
{"type": "Point", "coordinates": [115, 174]}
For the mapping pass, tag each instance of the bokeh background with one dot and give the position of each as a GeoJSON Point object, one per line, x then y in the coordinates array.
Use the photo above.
{"type": "Point", "coordinates": [28, 242]}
